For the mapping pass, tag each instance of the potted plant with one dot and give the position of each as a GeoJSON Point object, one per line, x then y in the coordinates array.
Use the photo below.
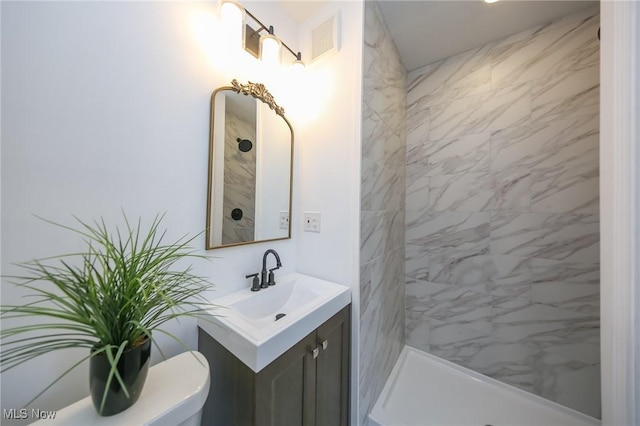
{"type": "Point", "coordinates": [110, 299]}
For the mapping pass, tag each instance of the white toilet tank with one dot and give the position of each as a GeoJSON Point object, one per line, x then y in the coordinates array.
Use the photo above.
{"type": "Point", "coordinates": [173, 394]}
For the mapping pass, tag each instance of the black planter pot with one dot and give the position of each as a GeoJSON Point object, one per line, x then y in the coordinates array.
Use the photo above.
{"type": "Point", "coordinates": [132, 366]}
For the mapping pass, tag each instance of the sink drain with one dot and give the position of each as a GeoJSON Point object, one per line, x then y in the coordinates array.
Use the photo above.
{"type": "Point", "coordinates": [278, 316]}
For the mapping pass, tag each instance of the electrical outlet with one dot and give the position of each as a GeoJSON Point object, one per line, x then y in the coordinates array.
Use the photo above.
{"type": "Point", "coordinates": [312, 221]}
{"type": "Point", "coordinates": [284, 220]}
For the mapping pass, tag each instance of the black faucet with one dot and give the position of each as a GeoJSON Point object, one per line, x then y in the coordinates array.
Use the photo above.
{"type": "Point", "coordinates": [266, 282]}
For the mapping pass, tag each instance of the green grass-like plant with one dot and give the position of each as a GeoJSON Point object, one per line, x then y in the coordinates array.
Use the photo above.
{"type": "Point", "coordinates": [107, 299]}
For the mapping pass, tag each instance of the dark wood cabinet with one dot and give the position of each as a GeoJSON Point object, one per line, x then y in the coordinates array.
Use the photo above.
{"type": "Point", "coordinates": [332, 371]}
{"type": "Point", "coordinates": [308, 385]}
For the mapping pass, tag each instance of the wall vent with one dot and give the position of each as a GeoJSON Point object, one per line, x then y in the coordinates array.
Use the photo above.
{"type": "Point", "coordinates": [324, 38]}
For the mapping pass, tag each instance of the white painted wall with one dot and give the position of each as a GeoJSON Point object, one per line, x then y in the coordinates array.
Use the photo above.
{"type": "Point", "coordinates": [329, 152]}
{"type": "Point", "coordinates": [328, 143]}
{"type": "Point", "coordinates": [106, 106]}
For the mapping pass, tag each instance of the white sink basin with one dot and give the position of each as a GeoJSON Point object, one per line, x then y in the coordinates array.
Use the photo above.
{"type": "Point", "coordinates": [289, 295]}
{"type": "Point", "coordinates": [245, 322]}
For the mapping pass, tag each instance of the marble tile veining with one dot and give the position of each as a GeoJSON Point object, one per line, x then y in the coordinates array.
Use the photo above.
{"type": "Point", "coordinates": [466, 154]}
{"type": "Point", "coordinates": [239, 181]}
{"type": "Point", "coordinates": [499, 109]}
{"type": "Point", "coordinates": [546, 50]}
{"type": "Point", "coordinates": [468, 192]}
{"type": "Point", "coordinates": [456, 77]}
{"type": "Point", "coordinates": [504, 190]}
{"type": "Point", "coordinates": [417, 193]}
{"type": "Point", "coordinates": [566, 191]}
{"type": "Point", "coordinates": [572, 93]}
{"type": "Point", "coordinates": [567, 143]}
{"type": "Point", "coordinates": [582, 298]}
{"type": "Point", "coordinates": [545, 270]}
{"type": "Point", "coordinates": [512, 279]}
{"type": "Point", "coordinates": [473, 269]}
{"type": "Point", "coordinates": [459, 230]}
{"type": "Point", "coordinates": [416, 262]}
{"type": "Point", "coordinates": [445, 336]}
{"type": "Point", "coordinates": [548, 236]}
{"type": "Point", "coordinates": [569, 382]}
{"type": "Point", "coordinates": [511, 190]}
{"type": "Point", "coordinates": [380, 188]}
{"type": "Point", "coordinates": [502, 200]}
{"type": "Point", "coordinates": [382, 218]}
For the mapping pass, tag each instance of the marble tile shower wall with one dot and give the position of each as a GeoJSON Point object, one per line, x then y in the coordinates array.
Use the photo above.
{"type": "Point", "coordinates": [382, 209]}
{"type": "Point", "coordinates": [239, 181]}
{"type": "Point", "coordinates": [502, 239]}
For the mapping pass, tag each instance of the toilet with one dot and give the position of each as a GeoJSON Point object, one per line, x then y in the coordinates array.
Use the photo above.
{"type": "Point", "coordinates": [173, 395]}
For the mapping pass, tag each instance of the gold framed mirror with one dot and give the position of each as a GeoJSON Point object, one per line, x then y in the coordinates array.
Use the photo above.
{"type": "Point", "coordinates": [250, 167]}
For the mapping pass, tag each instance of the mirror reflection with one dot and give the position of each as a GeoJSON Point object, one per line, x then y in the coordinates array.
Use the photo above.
{"type": "Point", "coordinates": [250, 167]}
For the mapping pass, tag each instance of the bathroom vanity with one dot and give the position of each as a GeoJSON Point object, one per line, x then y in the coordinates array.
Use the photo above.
{"type": "Point", "coordinates": [293, 370]}
{"type": "Point", "coordinates": [307, 385]}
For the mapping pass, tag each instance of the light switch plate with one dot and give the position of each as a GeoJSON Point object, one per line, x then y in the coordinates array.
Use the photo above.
{"type": "Point", "coordinates": [312, 221]}
{"type": "Point", "coordinates": [284, 220]}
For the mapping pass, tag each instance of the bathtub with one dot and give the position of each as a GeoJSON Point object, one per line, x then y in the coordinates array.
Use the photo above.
{"type": "Point", "coordinates": [424, 390]}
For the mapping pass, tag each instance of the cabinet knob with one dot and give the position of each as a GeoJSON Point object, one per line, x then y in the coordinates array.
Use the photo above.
{"type": "Point", "coordinates": [315, 352]}
{"type": "Point", "coordinates": [324, 344]}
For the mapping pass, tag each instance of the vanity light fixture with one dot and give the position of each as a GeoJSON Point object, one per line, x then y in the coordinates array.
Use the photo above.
{"type": "Point", "coordinates": [267, 47]}
{"type": "Point", "coordinates": [233, 17]}
{"type": "Point", "coordinates": [490, 1]}
{"type": "Point", "coordinates": [231, 11]}
{"type": "Point", "coordinates": [298, 64]}
{"type": "Point", "coordinates": [270, 48]}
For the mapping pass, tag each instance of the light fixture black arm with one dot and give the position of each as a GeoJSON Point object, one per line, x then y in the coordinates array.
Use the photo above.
{"type": "Point", "coordinates": [269, 29]}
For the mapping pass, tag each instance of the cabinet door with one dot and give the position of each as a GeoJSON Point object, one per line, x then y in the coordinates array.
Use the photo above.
{"type": "Point", "coordinates": [285, 389]}
{"type": "Point", "coordinates": [332, 375]}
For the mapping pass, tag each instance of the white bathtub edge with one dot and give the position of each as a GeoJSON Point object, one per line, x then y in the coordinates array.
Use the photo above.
{"type": "Point", "coordinates": [374, 416]}
{"type": "Point", "coordinates": [377, 417]}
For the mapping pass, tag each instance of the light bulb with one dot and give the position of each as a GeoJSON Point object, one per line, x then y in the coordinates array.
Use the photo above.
{"type": "Point", "coordinates": [297, 65]}
{"type": "Point", "coordinates": [232, 15]}
{"type": "Point", "coordinates": [270, 49]}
